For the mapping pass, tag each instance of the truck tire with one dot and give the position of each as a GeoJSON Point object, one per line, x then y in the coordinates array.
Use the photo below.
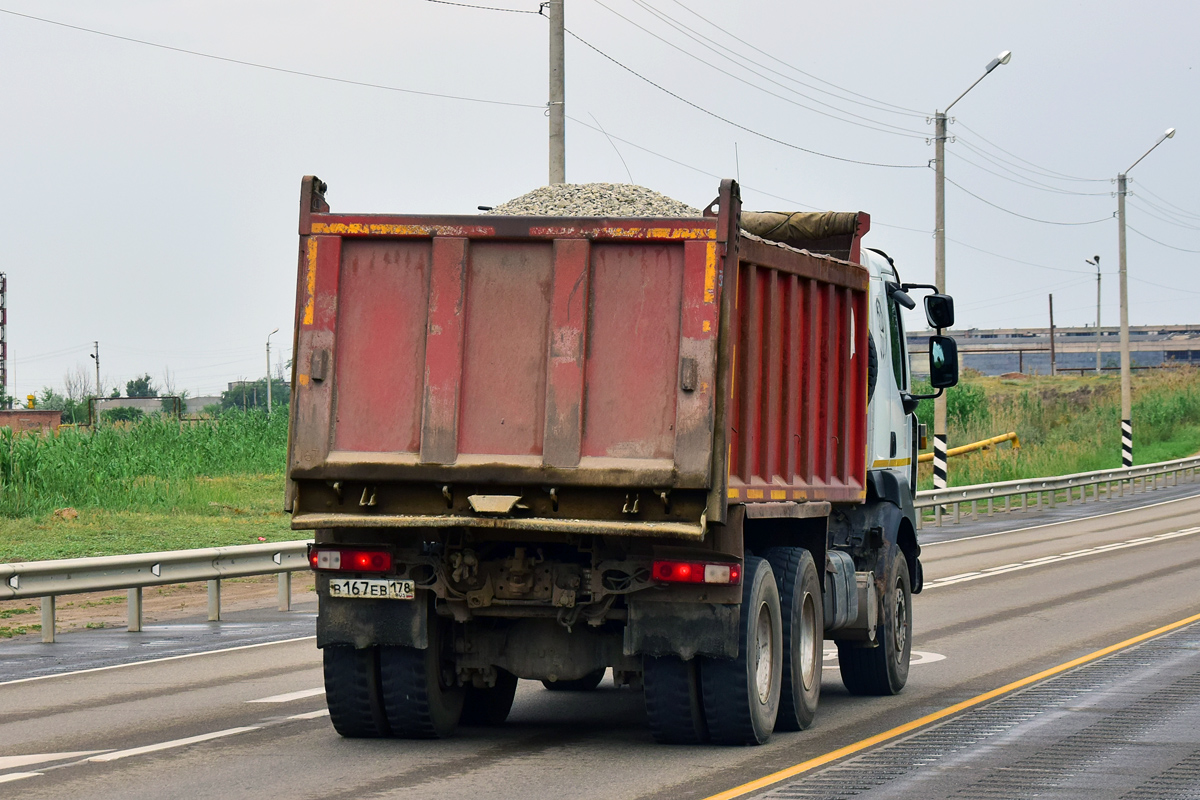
{"type": "Point", "coordinates": [741, 695]}
{"type": "Point", "coordinates": [584, 684]}
{"type": "Point", "coordinates": [801, 601]}
{"type": "Point", "coordinates": [484, 707]}
{"type": "Point", "coordinates": [352, 691]}
{"type": "Point", "coordinates": [674, 705]}
{"type": "Point", "coordinates": [421, 694]}
{"type": "Point", "coordinates": [883, 669]}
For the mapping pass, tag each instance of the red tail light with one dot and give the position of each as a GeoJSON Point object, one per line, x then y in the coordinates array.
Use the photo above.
{"type": "Point", "coordinates": [696, 572]}
{"type": "Point", "coordinates": [349, 560]}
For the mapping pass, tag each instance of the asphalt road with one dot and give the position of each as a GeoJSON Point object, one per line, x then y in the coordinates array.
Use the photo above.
{"type": "Point", "coordinates": [999, 607]}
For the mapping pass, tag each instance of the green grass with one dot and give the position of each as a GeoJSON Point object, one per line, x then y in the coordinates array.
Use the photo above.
{"type": "Point", "coordinates": [156, 485]}
{"type": "Point", "coordinates": [1067, 424]}
{"type": "Point", "coordinates": [153, 465]}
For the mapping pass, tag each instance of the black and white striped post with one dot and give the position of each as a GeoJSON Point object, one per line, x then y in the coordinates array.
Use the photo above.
{"type": "Point", "coordinates": [1126, 443]}
{"type": "Point", "coordinates": [939, 461]}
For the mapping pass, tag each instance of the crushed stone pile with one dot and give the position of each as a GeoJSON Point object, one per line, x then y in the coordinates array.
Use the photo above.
{"type": "Point", "coordinates": [595, 200]}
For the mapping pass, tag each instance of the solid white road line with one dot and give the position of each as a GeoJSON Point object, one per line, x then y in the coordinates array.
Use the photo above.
{"type": "Point", "coordinates": [9, 762]}
{"type": "Point", "coordinates": [154, 748]}
{"type": "Point", "coordinates": [1046, 560]}
{"type": "Point", "coordinates": [324, 712]}
{"type": "Point", "coordinates": [1061, 521]}
{"type": "Point", "coordinates": [16, 776]}
{"type": "Point", "coordinates": [289, 697]}
{"type": "Point", "coordinates": [154, 660]}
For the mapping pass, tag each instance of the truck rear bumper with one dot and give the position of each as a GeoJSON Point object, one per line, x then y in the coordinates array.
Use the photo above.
{"type": "Point", "coordinates": [668, 530]}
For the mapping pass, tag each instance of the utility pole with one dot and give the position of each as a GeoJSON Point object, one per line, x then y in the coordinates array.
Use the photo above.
{"type": "Point", "coordinates": [939, 263]}
{"type": "Point", "coordinates": [96, 355]}
{"type": "Point", "coordinates": [1126, 379]}
{"type": "Point", "coordinates": [556, 107]}
{"type": "Point", "coordinates": [269, 335]}
{"type": "Point", "coordinates": [3, 334]}
{"type": "Point", "coordinates": [1053, 360]}
{"type": "Point", "coordinates": [1095, 261]}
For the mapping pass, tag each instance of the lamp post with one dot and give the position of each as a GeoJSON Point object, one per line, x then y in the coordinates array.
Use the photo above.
{"type": "Point", "coordinates": [1126, 383]}
{"type": "Point", "coordinates": [269, 335]}
{"type": "Point", "coordinates": [939, 279]}
{"type": "Point", "coordinates": [1095, 262]}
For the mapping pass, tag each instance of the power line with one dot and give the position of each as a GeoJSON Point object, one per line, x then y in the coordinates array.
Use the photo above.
{"type": "Point", "coordinates": [1163, 286]}
{"type": "Point", "coordinates": [706, 173]}
{"type": "Point", "coordinates": [1156, 241]}
{"type": "Point", "coordinates": [1181, 210]}
{"type": "Point", "coordinates": [1041, 187]}
{"type": "Point", "coordinates": [486, 8]}
{"type": "Point", "coordinates": [1022, 216]}
{"type": "Point", "coordinates": [712, 24]}
{"type": "Point", "coordinates": [1019, 261]}
{"type": "Point", "coordinates": [896, 130]}
{"type": "Point", "coordinates": [1168, 220]}
{"type": "Point", "coordinates": [269, 67]}
{"type": "Point", "coordinates": [730, 122]}
{"type": "Point", "coordinates": [1049, 172]}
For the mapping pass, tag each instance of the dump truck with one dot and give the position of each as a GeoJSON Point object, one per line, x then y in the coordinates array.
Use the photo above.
{"type": "Point", "coordinates": [680, 449]}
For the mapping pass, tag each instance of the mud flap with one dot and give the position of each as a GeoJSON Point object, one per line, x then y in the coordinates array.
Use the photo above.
{"type": "Point", "coordinates": [362, 623]}
{"type": "Point", "coordinates": [685, 630]}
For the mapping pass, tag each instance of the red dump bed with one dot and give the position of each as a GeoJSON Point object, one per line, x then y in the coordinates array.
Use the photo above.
{"type": "Point", "coordinates": [630, 353]}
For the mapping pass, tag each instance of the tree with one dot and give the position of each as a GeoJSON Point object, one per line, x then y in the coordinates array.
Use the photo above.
{"type": "Point", "coordinates": [122, 414]}
{"type": "Point", "coordinates": [141, 387]}
{"type": "Point", "coordinates": [253, 394]}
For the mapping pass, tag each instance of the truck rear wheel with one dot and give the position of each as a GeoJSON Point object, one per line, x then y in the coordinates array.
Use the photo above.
{"type": "Point", "coordinates": [489, 705]}
{"type": "Point", "coordinates": [674, 704]}
{"type": "Point", "coordinates": [741, 695]}
{"type": "Point", "coordinates": [803, 632]}
{"type": "Point", "coordinates": [352, 691]}
{"type": "Point", "coordinates": [883, 669]}
{"type": "Point", "coordinates": [421, 694]}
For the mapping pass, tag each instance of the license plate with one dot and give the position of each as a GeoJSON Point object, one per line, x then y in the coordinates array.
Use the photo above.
{"type": "Point", "coordinates": [372, 589]}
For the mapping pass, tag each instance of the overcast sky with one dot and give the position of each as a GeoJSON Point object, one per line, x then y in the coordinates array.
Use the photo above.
{"type": "Point", "coordinates": [150, 195]}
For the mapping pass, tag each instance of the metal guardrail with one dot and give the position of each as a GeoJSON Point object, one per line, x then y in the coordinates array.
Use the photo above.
{"type": "Point", "coordinates": [49, 579]}
{"type": "Point", "coordinates": [949, 501]}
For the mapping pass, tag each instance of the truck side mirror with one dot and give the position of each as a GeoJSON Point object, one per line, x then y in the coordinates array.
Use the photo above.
{"type": "Point", "coordinates": [939, 311]}
{"type": "Point", "coordinates": [943, 362]}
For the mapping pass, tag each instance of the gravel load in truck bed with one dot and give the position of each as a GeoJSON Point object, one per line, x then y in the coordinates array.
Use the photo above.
{"type": "Point", "coordinates": [595, 200]}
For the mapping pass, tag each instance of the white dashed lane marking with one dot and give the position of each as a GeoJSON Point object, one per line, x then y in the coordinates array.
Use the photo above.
{"type": "Point", "coordinates": [1043, 561]}
{"type": "Point", "coordinates": [289, 697]}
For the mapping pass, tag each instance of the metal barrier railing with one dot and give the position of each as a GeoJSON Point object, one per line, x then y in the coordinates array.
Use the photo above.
{"type": "Point", "coordinates": [948, 502]}
{"type": "Point", "coordinates": [49, 579]}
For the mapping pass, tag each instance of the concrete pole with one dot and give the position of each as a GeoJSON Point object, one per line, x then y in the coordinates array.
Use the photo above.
{"type": "Point", "coordinates": [1098, 334]}
{"type": "Point", "coordinates": [939, 279]}
{"type": "Point", "coordinates": [558, 125]}
{"type": "Point", "coordinates": [1053, 360]}
{"type": "Point", "coordinates": [269, 335]}
{"type": "Point", "coordinates": [96, 355]}
{"type": "Point", "coordinates": [1126, 382]}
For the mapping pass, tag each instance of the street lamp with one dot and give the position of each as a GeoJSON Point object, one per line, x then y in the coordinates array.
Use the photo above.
{"type": "Point", "coordinates": [1126, 387]}
{"type": "Point", "coordinates": [939, 274]}
{"type": "Point", "coordinates": [269, 335]}
{"type": "Point", "coordinates": [1095, 262]}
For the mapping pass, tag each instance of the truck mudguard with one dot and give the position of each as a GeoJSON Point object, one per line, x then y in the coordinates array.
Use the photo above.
{"type": "Point", "coordinates": [683, 629]}
{"type": "Point", "coordinates": [363, 623]}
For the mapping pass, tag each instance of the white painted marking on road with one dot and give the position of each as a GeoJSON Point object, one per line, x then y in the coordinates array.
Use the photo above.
{"type": "Point", "coordinates": [9, 762]}
{"type": "Point", "coordinates": [154, 661]}
{"type": "Point", "coordinates": [324, 712]}
{"type": "Point", "coordinates": [289, 697]}
{"type": "Point", "coordinates": [17, 776]}
{"type": "Point", "coordinates": [154, 748]}
{"type": "Point", "coordinates": [1047, 560]}
{"type": "Point", "coordinates": [915, 658]}
{"type": "Point", "coordinates": [1061, 521]}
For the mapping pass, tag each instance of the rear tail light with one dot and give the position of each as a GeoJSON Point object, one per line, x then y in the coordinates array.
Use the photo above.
{"type": "Point", "coordinates": [696, 572]}
{"type": "Point", "coordinates": [350, 560]}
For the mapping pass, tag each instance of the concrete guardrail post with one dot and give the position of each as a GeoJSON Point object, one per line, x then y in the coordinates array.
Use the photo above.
{"type": "Point", "coordinates": [48, 619]}
{"type": "Point", "coordinates": [214, 600]}
{"type": "Point", "coordinates": [135, 609]}
{"type": "Point", "coordinates": [285, 586]}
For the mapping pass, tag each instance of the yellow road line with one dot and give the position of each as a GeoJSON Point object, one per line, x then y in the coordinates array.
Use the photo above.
{"type": "Point", "coordinates": [850, 749]}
